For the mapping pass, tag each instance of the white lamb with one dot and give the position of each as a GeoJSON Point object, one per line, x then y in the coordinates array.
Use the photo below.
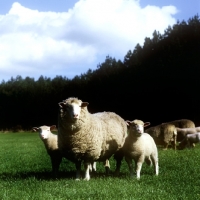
{"type": "Point", "coordinates": [87, 137]}
{"type": "Point", "coordinates": [50, 141]}
{"type": "Point", "coordinates": [140, 147]}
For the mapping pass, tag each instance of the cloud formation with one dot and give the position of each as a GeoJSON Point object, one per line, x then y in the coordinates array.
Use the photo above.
{"type": "Point", "coordinates": [34, 43]}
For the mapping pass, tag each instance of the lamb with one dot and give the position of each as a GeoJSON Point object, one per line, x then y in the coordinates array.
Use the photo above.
{"type": "Point", "coordinates": [190, 140]}
{"type": "Point", "coordinates": [140, 147]}
{"type": "Point", "coordinates": [163, 134]}
{"type": "Point", "coordinates": [50, 141]}
{"type": "Point", "coordinates": [182, 123]}
{"type": "Point", "coordinates": [87, 137]}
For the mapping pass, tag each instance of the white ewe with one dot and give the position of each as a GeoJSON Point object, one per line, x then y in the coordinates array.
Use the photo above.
{"type": "Point", "coordinates": [140, 147]}
{"type": "Point", "coordinates": [87, 137]}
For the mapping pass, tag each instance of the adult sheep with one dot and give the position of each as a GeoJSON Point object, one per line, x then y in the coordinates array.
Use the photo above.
{"type": "Point", "coordinates": [182, 123]}
{"type": "Point", "coordinates": [163, 134]}
{"type": "Point", "coordinates": [190, 140]}
{"type": "Point", "coordinates": [87, 137]}
{"type": "Point", "coordinates": [50, 141]}
{"type": "Point", "coordinates": [140, 147]}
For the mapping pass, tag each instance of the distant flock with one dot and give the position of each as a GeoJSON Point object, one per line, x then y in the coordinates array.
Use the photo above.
{"type": "Point", "coordinates": [87, 138]}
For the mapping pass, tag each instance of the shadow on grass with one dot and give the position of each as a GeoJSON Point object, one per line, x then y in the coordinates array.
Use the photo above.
{"type": "Point", "coordinates": [46, 175]}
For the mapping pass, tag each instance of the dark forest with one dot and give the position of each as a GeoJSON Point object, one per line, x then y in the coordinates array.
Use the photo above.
{"type": "Point", "coordinates": [156, 82]}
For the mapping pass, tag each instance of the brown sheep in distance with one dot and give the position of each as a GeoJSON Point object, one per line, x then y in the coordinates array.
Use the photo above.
{"type": "Point", "coordinates": [163, 134]}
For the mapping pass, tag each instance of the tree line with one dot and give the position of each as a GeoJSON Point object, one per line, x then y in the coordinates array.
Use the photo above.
{"type": "Point", "coordinates": [156, 82]}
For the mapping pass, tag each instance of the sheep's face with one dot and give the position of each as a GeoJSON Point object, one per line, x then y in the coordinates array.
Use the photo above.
{"type": "Point", "coordinates": [72, 109]}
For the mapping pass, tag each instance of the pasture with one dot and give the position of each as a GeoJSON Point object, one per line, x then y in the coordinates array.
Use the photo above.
{"type": "Point", "coordinates": [25, 173]}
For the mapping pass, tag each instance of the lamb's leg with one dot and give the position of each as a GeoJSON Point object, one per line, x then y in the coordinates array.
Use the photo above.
{"type": "Point", "coordinates": [87, 171]}
{"type": "Point", "coordinates": [78, 170]}
{"type": "Point", "coordinates": [155, 164]}
{"type": "Point", "coordinates": [148, 161]}
{"type": "Point", "coordinates": [130, 166]}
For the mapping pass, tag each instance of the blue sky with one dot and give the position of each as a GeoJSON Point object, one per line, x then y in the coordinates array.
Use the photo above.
{"type": "Point", "coordinates": [61, 37]}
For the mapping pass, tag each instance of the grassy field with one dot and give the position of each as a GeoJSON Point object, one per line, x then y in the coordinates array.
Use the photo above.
{"type": "Point", "coordinates": [25, 173]}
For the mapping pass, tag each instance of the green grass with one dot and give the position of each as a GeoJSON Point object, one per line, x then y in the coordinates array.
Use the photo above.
{"type": "Point", "coordinates": [25, 173]}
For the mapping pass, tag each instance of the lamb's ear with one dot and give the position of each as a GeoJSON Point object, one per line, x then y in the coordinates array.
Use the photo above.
{"type": "Point", "coordinates": [128, 123]}
{"type": "Point", "coordinates": [84, 104]}
{"type": "Point", "coordinates": [35, 129]}
{"type": "Point", "coordinates": [52, 127]}
{"type": "Point", "coordinates": [146, 124]}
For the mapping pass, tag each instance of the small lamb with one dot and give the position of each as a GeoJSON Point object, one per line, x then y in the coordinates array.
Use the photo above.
{"type": "Point", "coordinates": [50, 141]}
{"type": "Point", "coordinates": [190, 140]}
{"type": "Point", "coordinates": [140, 147]}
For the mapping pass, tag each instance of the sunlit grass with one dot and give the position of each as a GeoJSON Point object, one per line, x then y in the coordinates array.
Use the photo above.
{"type": "Point", "coordinates": [25, 173]}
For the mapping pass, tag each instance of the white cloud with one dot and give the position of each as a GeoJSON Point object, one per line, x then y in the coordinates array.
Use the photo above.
{"type": "Point", "coordinates": [34, 43]}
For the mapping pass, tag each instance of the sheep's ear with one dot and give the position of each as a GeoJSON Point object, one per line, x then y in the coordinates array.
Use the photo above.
{"type": "Point", "coordinates": [52, 127]}
{"type": "Point", "coordinates": [84, 104]}
{"type": "Point", "coordinates": [35, 129]}
{"type": "Point", "coordinates": [146, 124]}
{"type": "Point", "coordinates": [61, 104]}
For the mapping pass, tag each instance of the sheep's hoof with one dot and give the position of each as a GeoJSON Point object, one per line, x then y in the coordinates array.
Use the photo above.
{"type": "Point", "coordinates": [86, 179]}
{"type": "Point", "coordinates": [77, 179]}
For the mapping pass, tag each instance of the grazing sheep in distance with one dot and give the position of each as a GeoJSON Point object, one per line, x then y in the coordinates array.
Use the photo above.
{"type": "Point", "coordinates": [50, 141]}
{"type": "Point", "coordinates": [140, 147]}
{"type": "Point", "coordinates": [182, 132]}
{"type": "Point", "coordinates": [163, 134]}
{"type": "Point", "coordinates": [182, 123]}
{"type": "Point", "coordinates": [190, 140]}
{"type": "Point", "coordinates": [87, 137]}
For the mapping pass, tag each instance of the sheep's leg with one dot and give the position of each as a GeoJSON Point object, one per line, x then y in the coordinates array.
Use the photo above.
{"type": "Point", "coordinates": [118, 157]}
{"type": "Point", "coordinates": [78, 170]}
{"type": "Point", "coordinates": [165, 145]}
{"type": "Point", "coordinates": [107, 166]}
{"type": "Point", "coordinates": [87, 171]}
{"type": "Point", "coordinates": [93, 167]}
{"type": "Point", "coordinates": [175, 138]}
{"type": "Point", "coordinates": [55, 163]}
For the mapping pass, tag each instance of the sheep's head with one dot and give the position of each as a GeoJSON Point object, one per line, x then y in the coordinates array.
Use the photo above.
{"type": "Point", "coordinates": [44, 131]}
{"type": "Point", "coordinates": [72, 108]}
{"type": "Point", "coordinates": [136, 126]}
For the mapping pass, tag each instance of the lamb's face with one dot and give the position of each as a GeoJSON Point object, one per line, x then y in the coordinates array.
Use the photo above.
{"type": "Point", "coordinates": [44, 132]}
{"type": "Point", "coordinates": [138, 128]}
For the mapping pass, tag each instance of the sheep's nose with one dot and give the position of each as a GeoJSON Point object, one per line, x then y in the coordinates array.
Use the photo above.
{"type": "Point", "coordinates": [75, 115]}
